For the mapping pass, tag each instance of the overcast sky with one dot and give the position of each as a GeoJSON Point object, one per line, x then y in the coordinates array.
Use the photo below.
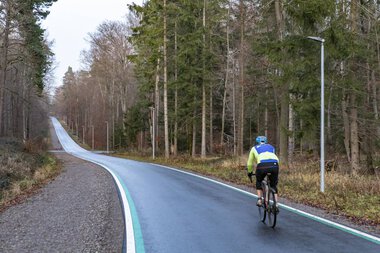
{"type": "Point", "coordinates": [69, 23]}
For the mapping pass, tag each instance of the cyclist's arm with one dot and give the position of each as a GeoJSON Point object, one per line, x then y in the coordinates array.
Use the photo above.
{"type": "Point", "coordinates": [251, 160]}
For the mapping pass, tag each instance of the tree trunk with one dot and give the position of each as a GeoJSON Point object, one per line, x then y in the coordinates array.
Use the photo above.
{"type": "Point", "coordinates": [258, 114]}
{"type": "Point", "coordinates": [24, 111]}
{"type": "Point", "coordinates": [234, 110]}
{"type": "Point", "coordinates": [374, 101]}
{"type": "Point", "coordinates": [113, 131]}
{"type": "Point", "coordinates": [166, 123]}
{"type": "Point", "coordinates": [240, 144]}
{"type": "Point", "coordinates": [353, 112]}
{"type": "Point", "coordinates": [226, 80]}
{"type": "Point", "coordinates": [28, 115]}
{"type": "Point", "coordinates": [4, 66]}
{"type": "Point", "coordinates": [291, 133]}
{"type": "Point", "coordinates": [193, 146]}
{"type": "Point", "coordinates": [347, 130]}
{"type": "Point", "coordinates": [375, 104]}
{"type": "Point", "coordinates": [374, 95]}
{"type": "Point", "coordinates": [175, 150]}
{"type": "Point", "coordinates": [224, 110]}
{"type": "Point", "coordinates": [266, 112]}
{"type": "Point", "coordinates": [278, 116]}
{"type": "Point", "coordinates": [279, 18]}
{"type": "Point", "coordinates": [301, 138]}
{"type": "Point", "coordinates": [354, 137]}
{"type": "Point", "coordinates": [157, 102]}
{"type": "Point", "coordinates": [284, 118]}
{"type": "Point", "coordinates": [211, 123]}
{"type": "Point", "coordinates": [329, 135]}
{"type": "Point", "coordinates": [370, 126]}
{"type": "Point", "coordinates": [203, 144]}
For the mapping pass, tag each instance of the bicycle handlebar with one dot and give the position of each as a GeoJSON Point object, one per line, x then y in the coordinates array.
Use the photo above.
{"type": "Point", "coordinates": [250, 178]}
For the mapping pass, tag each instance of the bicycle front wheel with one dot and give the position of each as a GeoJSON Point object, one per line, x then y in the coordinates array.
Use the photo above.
{"type": "Point", "coordinates": [262, 208]}
{"type": "Point", "coordinates": [271, 210]}
{"type": "Point", "coordinates": [262, 212]}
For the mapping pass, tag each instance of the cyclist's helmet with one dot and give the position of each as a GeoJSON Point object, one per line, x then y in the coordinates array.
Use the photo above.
{"type": "Point", "coordinates": [261, 140]}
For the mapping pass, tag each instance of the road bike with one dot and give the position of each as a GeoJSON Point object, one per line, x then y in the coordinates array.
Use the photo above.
{"type": "Point", "coordinates": [268, 208]}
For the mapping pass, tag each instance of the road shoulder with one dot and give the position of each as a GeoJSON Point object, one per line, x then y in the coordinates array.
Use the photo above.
{"type": "Point", "coordinates": [77, 212]}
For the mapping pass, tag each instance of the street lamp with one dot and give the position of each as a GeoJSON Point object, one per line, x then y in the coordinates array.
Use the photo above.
{"type": "Point", "coordinates": [92, 137]}
{"type": "Point", "coordinates": [83, 127]}
{"type": "Point", "coordinates": [322, 41]}
{"type": "Point", "coordinates": [108, 144]}
{"type": "Point", "coordinates": [153, 131]}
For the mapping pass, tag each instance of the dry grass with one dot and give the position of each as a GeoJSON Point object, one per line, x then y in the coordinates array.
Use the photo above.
{"type": "Point", "coordinates": [356, 197]}
{"type": "Point", "coordinates": [21, 171]}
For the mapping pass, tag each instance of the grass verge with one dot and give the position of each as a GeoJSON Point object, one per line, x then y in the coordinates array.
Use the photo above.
{"type": "Point", "coordinates": [355, 197]}
{"type": "Point", "coordinates": [22, 173]}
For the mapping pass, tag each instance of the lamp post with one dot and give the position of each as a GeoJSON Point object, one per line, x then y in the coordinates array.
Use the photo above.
{"type": "Point", "coordinates": [83, 137]}
{"type": "Point", "coordinates": [322, 41]}
{"type": "Point", "coordinates": [108, 144]}
{"type": "Point", "coordinates": [92, 128]}
{"type": "Point", "coordinates": [153, 131]}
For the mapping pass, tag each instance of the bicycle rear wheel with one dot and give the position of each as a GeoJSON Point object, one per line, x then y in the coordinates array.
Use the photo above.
{"type": "Point", "coordinates": [271, 210]}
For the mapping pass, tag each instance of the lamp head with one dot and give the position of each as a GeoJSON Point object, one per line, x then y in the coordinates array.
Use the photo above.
{"type": "Point", "coordinates": [316, 39]}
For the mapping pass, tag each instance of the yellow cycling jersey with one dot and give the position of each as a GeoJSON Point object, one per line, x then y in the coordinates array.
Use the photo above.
{"type": "Point", "coordinates": [261, 154]}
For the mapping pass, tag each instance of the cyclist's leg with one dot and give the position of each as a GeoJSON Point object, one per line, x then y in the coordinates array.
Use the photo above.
{"type": "Point", "coordinates": [274, 180]}
{"type": "Point", "coordinates": [259, 179]}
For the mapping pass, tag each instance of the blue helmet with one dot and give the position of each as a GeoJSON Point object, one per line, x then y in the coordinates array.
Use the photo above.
{"type": "Point", "coordinates": [261, 140]}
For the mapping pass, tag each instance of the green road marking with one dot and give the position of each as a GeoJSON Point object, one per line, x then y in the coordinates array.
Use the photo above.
{"type": "Point", "coordinates": [139, 241]}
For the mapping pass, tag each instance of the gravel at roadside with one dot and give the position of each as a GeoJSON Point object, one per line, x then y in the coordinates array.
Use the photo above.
{"type": "Point", "coordinates": [77, 212]}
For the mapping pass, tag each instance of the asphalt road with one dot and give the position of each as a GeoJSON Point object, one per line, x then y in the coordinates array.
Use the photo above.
{"type": "Point", "coordinates": [177, 212]}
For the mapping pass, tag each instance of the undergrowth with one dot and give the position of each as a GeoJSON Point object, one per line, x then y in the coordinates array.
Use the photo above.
{"type": "Point", "coordinates": [23, 166]}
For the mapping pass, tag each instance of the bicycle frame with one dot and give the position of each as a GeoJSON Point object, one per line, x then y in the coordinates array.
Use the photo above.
{"type": "Point", "coordinates": [268, 208]}
{"type": "Point", "coordinates": [268, 188]}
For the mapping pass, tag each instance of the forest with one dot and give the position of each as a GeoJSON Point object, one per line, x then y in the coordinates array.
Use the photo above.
{"type": "Point", "coordinates": [205, 77]}
{"type": "Point", "coordinates": [194, 82]}
{"type": "Point", "coordinates": [25, 66]}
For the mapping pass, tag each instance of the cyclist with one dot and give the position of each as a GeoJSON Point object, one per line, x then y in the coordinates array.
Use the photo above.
{"type": "Point", "coordinates": [263, 155]}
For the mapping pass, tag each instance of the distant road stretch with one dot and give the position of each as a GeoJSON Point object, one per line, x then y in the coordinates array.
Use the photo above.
{"type": "Point", "coordinates": [169, 211]}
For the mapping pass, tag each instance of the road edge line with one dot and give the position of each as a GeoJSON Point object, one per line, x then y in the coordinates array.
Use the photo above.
{"type": "Point", "coordinates": [333, 224]}
{"type": "Point", "coordinates": [133, 222]}
{"type": "Point", "coordinates": [128, 221]}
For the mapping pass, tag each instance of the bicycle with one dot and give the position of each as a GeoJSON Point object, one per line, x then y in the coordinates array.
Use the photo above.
{"type": "Point", "coordinates": [268, 206]}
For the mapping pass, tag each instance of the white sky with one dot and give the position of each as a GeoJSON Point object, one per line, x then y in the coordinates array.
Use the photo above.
{"type": "Point", "coordinates": [69, 23]}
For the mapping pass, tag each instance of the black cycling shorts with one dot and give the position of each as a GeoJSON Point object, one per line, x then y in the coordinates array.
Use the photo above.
{"type": "Point", "coordinates": [262, 170]}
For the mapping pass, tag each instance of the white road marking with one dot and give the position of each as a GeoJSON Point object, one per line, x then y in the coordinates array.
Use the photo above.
{"type": "Point", "coordinates": [130, 241]}
{"type": "Point", "coordinates": [294, 210]}
{"type": "Point", "coordinates": [130, 244]}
